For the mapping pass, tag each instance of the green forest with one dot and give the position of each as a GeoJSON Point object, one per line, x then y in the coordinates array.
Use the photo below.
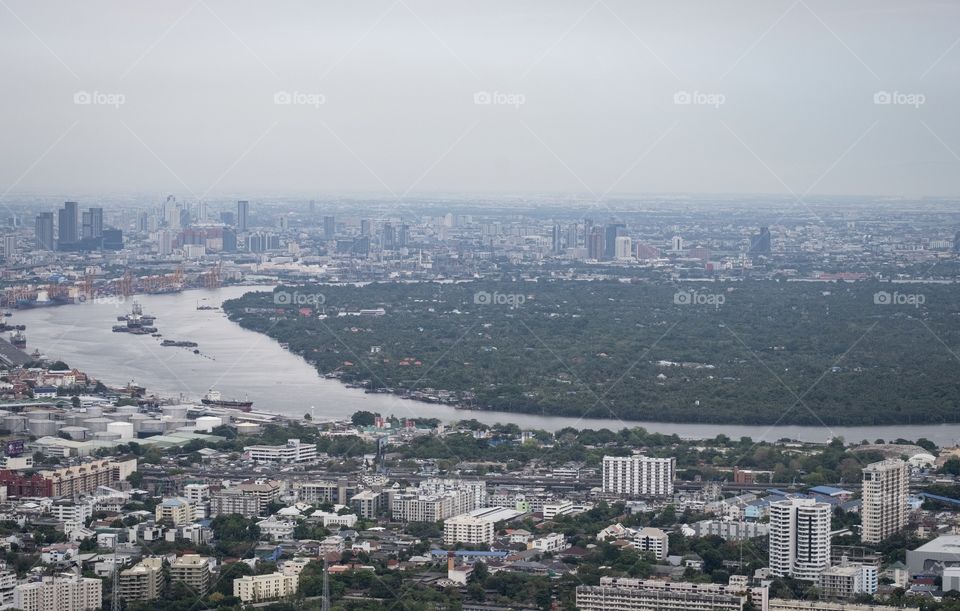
{"type": "Point", "coordinates": [749, 352]}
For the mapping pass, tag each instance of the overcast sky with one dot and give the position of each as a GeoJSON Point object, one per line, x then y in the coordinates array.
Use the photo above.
{"type": "Point", "coordinates": [782, 96]}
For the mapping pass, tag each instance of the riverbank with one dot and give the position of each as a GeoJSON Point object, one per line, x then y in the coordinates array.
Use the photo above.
{"type": "Point", "coordinates": [243, 363]}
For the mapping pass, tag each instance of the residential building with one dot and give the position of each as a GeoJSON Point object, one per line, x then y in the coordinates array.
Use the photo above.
{"type": "Point", "coordinates": [638, 475]}
{"type": "Point", "coordinates": [143, 581]}
{"type": "Point", "coordinates": [87, 477]}
{"type": "Point", "coordinates": [780, 604]}
{"type": "Point", "coordinates": [59, 593]}
{"type": "Point", "coordinates": [474, 528]}
{"type": "Point", "coordinates": [883, 510]}
{"type": "Point", "coordinates": [177, 511]}
{"type": "Point", "coordinates": [652, 540]}
{"type": "Point", "coordinates": [249, 499]}
{"type": "Point", "coordinates": [294, 451]}
{"type": "Point", "coordinates": [431, 502]}
{"type": "Point", "coordinates": [254, 588]}
{"type": "Point", "coordinates": [848, 580]}
{"type": "Point", "coordinates": [336, 493]}
{"type": "Point", "coordinates": [554, 542]}
{"type": "Point", "coordinates": [193, 570]}
{"type": "Point", "coordinates": [730, 530]}
{"type": "Point", "coordinates": [368, 503]}
{"type": "Point", "coordinates": [625, 594]}
{"type": "Point", "coordinates": [799, 538]}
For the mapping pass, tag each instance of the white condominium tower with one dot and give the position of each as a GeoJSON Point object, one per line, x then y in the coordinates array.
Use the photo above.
{"type": "Point", "coordinates": [638, 475]}
{"type": "Point", "coordinates": [799, 538]}
{"type": "Point", "coordinates": [884, 506]}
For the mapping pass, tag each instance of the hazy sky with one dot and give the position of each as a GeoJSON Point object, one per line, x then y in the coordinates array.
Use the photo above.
{"type": "Point", "coordinates": [782, 96]}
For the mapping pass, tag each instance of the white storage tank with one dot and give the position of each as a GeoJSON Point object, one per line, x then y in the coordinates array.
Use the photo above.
{"type": "Point", "coordinates": [206, 424]}
{"type": "Point", "coordinates": [127, 410]}
{"type": "Point", "coordinates": [75, 419]}
{"type": "Point", "coordinates": [153, 427]}
{"type": "Point", "coordinates": [15, 424]}
{"type": "Point", "coordinates": [76, 433]}
{"type": "Point", "coordinates": [42, 428]}
{"type": "Point", "coordinates": [138, 420]}
{"type": "Point", "coordinates": [94, 411]}
{"type": "Point", "coordinates": [124, 429]}
{"type": "Point", "coordinates": [97, 425]}
{"type": "Point", "coordinates": [175, 412]}
{"type": "Point", "coordinates": [106, 436]}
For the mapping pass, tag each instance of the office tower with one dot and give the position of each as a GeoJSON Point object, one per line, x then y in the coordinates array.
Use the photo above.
{"type": "Point", "coordinates": [622, 248]}
{"type": "Point", "coordinates": [86, 228]}
{"type": "Point", "coordinates": [43, 231]}
{"type": "Point", "coordinates": [557, 238]}
{"type": "Point", "coordinates": [329, 227]}
{"type": "Point", "coordinates": [389, 237]}
{"type": "Point", "coordinates": [67, 224]}
{"type": "Point", "coordinates": [956, 242]}
{"type": "Point", "coordinates": [365, 227]}
{"type": "Point", "coordinates": [676, 244]}
{"type": "Point", "coordinates": [227, 217]}
{"type": "Point", "coordinates": [202, 211]}
{"type": "Point", "coordinates": [572, 237]}
{"type": "Point", "coordinates": [403, 239]}
{"type": "Point", "coordinates": [611, 233]}
{"type": "Point", "coordinates": [884, 505]}
{"type": "Point", "coordinates": [638, 475]}
{"type": "Point", "coordinates": [760, 243]}
{"type": "Point", "coordinates": [595, 243]}
{"type": "Point", "coordinates": [799, 538]}
{"type": "Point", "coordinates": [9, 246]}
{"type": "Point", "coordinates": [143, 222]}
{"type": "Point", "coordinates": [243, 211]}
{"type": "Point", "coordinates": [165, 242]}
{"type": "Point", "coordinates": [112, 239]}
{"type": "Point", "coordinates": [229, 240]}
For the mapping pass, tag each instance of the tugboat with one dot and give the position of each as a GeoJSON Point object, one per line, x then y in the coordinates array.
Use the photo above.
{"type": "Point", "coordinates": [214, 399]}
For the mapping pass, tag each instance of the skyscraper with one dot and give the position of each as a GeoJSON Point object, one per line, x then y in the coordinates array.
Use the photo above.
{"type": "Point", "coordinates": [67, 224]}
{"type": "Point", "coordinates": [884, 505]}
{"type": "Point", "coordinates": [243, 211]}
{"type": "Point", "coordinates": [611, 233]}
{"type": "Point", "coordinates": [389, 237]}
{"type": "Point", "coordinates": [760, 243]}
{"type": "Point", "coordinates": [799, 538]}
{"type": "Point", "coordinates": [364, 226]}
{"type": "Point", "coordinates": [557, 238]}
{"type": "Point", "coordinates": [595, 243]}
{"type": "Point", "coordinates": [43, 230]}
{"type": "Point", "coordinates": [329, 227]}
{"type": "Point", "coordinates": [622, 248]}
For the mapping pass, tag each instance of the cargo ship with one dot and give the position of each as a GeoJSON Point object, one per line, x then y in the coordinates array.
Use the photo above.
{"type": "Point", "coordinates": [179, 344]}
{"type": "Point", "coordinates": [19, 340]}
{"type": "Point", "coordinates": [138, 323]}
{"type": "Point", "coordinates": [214, 399]}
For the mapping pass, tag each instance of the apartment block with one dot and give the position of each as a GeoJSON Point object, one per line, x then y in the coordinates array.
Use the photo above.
{"type": "Point", "coordinates": [884, 504]}
{"type": "Point", "coordinates": [143, 581]}
{"type": "Point", "coordinates": [294, 451]}
{"type": "Point", "coordinates": [625, 594]}
{"type": "Point", "coordinates": [799, 538]}
{"type": "Point", "coordinates": [59, 593]}
{"type": "Point", "coordinates": [638, 475]}
{"type": "Point", "coordinates": [193, 570]}
{"type": "Point", "coordinates": [254, 588]}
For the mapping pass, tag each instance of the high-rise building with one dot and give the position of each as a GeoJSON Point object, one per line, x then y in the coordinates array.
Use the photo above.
{"type": "Point", "coordinates": [883, 509]}
{"type": "Point", "coordinates": [192, 570]}
{"type": "Point", "coordinates": [43, 231]}
{"type": "Point", "coordinates": [799, 538]}
{"type": "Point", "coordinates": [329, 227]}
{"type": "Point", "coordinates": [229, 240]}
{"type": "Point", "coordinates": [96, 222]}
{"type": "Point", "coordinates": [389, 237]}
{"type": "Point", "coordinates": [403, 239]}
{"type": "Point", "coordinates": [227, 217]}
{"type": "Point", "coordinates": [638, 475]}
{"type": "Point", "coordinates": [9, 246]}
{"type": "Point", "coordinates": [595, 243]}
{"type": "Point", "coordinates": [572, 236]}
{"type": "Point", "coordinates": [760, 244]}
{"type": "Point", "coordinates": [557, 238]}
{"type": "Point", "coordinates": [364, 226]}
{"type": "Point", "coordinates": [143, 581]}
{"type": "Point", "coordinates": [676, 244]}
{"type": "Point", "coordinates": [611, 233]}
{"type": "Point", "coordinates": [67, 225]}
{"type": "Point", "coordinates": [622, 248]}
{"type": "Point", "coordinates": [243, 212]}
{"type": "Point", "coordinates": [59, 593]}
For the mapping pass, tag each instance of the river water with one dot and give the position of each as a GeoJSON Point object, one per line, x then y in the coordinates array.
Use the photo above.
{"type": "Point", "coordinates": [245, 364]}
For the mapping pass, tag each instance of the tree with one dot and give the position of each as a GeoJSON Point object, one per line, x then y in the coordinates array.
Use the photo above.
{"type": "Point", "coordinates": [363, 418]}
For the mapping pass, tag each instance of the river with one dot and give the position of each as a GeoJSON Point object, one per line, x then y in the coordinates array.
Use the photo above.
{"type": "Point", "coordinates": [245, 364]}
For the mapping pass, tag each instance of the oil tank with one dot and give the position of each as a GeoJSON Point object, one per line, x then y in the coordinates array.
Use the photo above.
{"type": "Point", "coordinates": [15, 424]}
{"type": "Point", "coordinates": [206, 424]}
{"type": "Point", "coordinates": [124, 429]}
{"type": "Point", "coordinates": [42, 428]}
{"type": "Point", "coordinates": [76, 433]}
{"type": "Point", "coordinates": [175, 412]}
{"type": "Point", "coordinates": [106, 436]}
{"type": "Point", "coordinates": [97, 425]}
